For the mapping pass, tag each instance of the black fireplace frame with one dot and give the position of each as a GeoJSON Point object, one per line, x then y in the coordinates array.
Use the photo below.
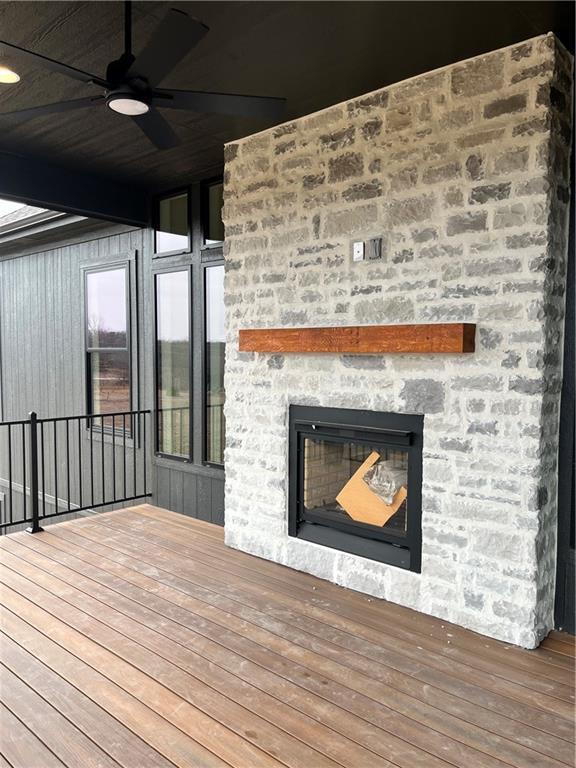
{"type": "Point", "coordinates": [391, 430]}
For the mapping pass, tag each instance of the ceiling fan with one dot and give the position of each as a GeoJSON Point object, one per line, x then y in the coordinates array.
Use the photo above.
{"type": "Point", "coordinates": [131, 82]}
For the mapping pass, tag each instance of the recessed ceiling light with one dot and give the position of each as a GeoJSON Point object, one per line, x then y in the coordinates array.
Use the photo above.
{"type": "Point", "coordinates": [127, 105]}
{"type": "Point", "coordinates": [8, 76]}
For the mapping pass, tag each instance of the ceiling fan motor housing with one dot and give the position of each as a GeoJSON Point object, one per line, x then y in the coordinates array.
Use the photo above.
{"type": "Point", "coordinates": [127, 101]}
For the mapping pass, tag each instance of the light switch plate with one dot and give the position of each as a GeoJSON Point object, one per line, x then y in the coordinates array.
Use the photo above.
{"type": "Point", "coordinates": [358, 251]}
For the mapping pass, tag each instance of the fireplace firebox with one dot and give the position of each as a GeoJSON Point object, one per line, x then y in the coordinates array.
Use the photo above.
{"type": "Point", "coordinates": [356, 482]}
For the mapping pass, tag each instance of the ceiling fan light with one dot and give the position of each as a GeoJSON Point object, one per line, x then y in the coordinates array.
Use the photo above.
{"type": "Point", "coordinates": [126, 105]}
{"type": "Point", "coordinates": [8, 76]}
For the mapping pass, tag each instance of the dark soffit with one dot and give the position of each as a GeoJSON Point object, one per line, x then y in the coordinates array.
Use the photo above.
{"type": "Point", "coordinates": [313, 53]}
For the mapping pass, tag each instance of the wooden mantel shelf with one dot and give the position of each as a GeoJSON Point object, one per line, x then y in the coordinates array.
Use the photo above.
{"type": "Point", "coordinates": [438, 338]}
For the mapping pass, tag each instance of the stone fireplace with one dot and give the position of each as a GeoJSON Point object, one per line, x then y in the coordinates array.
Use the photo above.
{"type": "Point", "coordinates": [462, 176]}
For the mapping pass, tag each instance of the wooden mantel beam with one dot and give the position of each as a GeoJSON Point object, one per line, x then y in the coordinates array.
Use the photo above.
{"type": "Point", "coordinates": [436, 338]}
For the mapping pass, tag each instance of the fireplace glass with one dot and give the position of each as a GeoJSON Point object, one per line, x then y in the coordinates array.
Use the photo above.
{"type": "Point", "coordinates": [353, 482]}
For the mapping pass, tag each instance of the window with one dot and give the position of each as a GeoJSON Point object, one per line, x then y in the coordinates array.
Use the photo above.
{"type": "Point", "coordinates": [214, 365]}
{"type": "Point", "coordinates": [172, 225]}
{"type": "Point", "coordinates": [107, 342]}
{"type": "Point", "coordinates": [173, 363]}
{"type": "Point", "coordinates": [213, 201]}
{"type": "Point", "coordinates": [189, 328]}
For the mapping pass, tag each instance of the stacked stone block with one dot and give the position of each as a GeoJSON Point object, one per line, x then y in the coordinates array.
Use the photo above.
{"type": "Point", "coordinates": [464, 174]}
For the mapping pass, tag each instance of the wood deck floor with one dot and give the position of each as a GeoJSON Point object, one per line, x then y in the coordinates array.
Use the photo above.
{"type": "Point", "coordinates": [137, 639]}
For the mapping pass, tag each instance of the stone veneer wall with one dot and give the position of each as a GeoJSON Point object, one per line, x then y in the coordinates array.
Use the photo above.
{"type": "Point", "coordinates": [464, 173]}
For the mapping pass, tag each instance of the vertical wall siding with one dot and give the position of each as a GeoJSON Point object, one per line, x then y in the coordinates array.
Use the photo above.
{"type": "Point", "coordinates": [42, 326]}
{"type": "Point", "coordinates": [191, 494]}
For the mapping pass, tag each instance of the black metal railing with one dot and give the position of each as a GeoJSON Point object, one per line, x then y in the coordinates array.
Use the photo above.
{"type": "Point", "coordinates": [52, 467]}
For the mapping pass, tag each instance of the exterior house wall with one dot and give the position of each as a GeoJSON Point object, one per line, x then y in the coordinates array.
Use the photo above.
{"type": "Point", "coordinates": [42, 301]}
{"type": "Point", "coordinates": [464, 174]}
{"type": "Point", "coordinates": [42, 358]}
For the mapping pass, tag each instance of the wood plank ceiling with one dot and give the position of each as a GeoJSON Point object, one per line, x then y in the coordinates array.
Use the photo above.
{"type": "Point", "coordinates": [313, 53]}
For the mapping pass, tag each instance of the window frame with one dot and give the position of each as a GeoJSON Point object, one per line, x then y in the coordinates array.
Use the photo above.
{"type": "Point", "coordinates": [199, 256]}
{"type": "Point", "coordinates": [156, 222]}
{"type": "Point", "coordinates": [157, 452]}
{"type": "Point", "coordinates": [125, 264]}
{"type": "Point", "coordinates": [213, 260]}
{"type": "Point", "coordinates": [205, 212]}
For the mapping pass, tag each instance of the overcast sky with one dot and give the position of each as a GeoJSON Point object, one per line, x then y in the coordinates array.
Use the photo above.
{"type": "Point", "coordinates": [7, 206]}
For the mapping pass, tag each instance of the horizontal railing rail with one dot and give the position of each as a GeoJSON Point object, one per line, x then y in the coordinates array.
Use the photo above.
{"type": "Point", "coordinates": [51, 467]}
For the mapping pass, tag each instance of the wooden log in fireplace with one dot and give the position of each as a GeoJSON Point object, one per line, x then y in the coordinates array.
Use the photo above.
{"type": "Point", "coordinates": [436, 338]}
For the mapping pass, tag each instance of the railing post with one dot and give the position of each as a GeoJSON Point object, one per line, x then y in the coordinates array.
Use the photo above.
{"type": "Point", "coordinates": [35, 527]}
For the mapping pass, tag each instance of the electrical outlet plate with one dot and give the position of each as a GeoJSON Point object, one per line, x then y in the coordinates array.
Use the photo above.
{"type": "Point", "coordinates": [358, 251]}
{"type": "Point", "coordinates": [374, 249]}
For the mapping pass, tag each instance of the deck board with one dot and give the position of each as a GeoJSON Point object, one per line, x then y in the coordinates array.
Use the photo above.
{"type": "Point", "coordinates": [20, 747]}
{"type": "Point", "coordinates": [197, 655]}
{"type": "Point", "coordinates": [263, 596]}
{"type": "Point", "coordinates": [558, 644]}
{"type": "Point", "coordinates": [562, 637]}
{"type": "Point", "coordinates": [66, 741]}
{"type": "Point", "coordinates": [231, 562]}
{"type": "Point", "coordinates": [119, 742]}
{"type": "Point", "coordinates": [366, 607]}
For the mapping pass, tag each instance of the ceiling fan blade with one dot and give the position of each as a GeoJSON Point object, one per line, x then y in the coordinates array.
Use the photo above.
{"type": "Point", "coordinates": [173, 38]}
{"type": "Point", "coordinates": [52, 65]}
{"type": "Point", "coordinates": [153, 125]}
{"type": "Point", "coordinates": [50, 109]}
{"type": "Point", "coordinates": [221, 103]}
